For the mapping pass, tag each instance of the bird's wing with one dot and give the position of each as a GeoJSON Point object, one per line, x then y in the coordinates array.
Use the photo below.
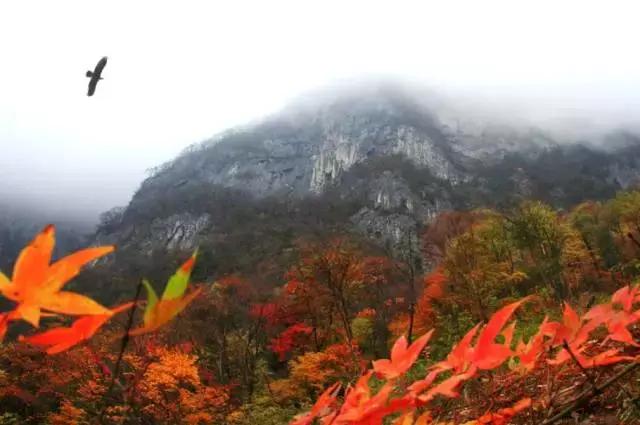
{"type": "Point", "coordinates": [100, 66]}
{"type": "Point", "coordinates": [92, 86]}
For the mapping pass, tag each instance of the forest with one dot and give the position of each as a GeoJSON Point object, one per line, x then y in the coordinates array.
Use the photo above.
{"type": "Point", "coordinates": [526, 315]}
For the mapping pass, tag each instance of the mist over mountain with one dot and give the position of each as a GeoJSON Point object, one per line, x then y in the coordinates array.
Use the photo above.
{"type": "Point", "coordinates": [311, 212]}
{"type": "Point", "coordinates": [355, 142]}
{"type": "Point", "coordinates": [569, 114]}
{"type": "Point", "coordinates": [378, 161]}
{"type": "Point", "coordinates": [96, 176]}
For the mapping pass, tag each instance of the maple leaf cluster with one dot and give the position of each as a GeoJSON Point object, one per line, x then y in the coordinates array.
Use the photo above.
{"type": "Point", "coordinates": [36, 289]}
{"type": "Point", "coordinates": [478, 350]}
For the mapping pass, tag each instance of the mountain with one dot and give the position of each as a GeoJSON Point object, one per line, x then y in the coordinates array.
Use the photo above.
{"type": "Point", "coordinates": [19, 223]}
{"type": "Point", "coordinates": [377, 161]}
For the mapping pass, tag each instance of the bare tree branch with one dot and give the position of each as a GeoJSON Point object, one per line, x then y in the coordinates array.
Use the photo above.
{"type": "Point", "coordinates": [123, 347]}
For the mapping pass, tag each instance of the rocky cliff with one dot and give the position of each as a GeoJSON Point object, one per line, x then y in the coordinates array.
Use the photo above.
{"type": "Point", "coordinates": [380, 162]}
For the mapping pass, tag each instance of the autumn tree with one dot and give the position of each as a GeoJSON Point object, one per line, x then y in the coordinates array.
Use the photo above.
{"type": "Point", "coordinates": [230, 338]}
{"type": "Point", "coordinates": [540, 236]}
{"type": "Point", "coordinates": [327, 281]}
{"type": "Point", "coordinates": [443, 229]}
{"type": "Point", "coordinates": [431, 293]}
{"type": "Point", "coordinates": [585, 218]}
{"type": "Point", "coordinates": [626, 208]}
{"type": "Point", "coordinates": [386, 294]}
{"type": "Point", "coordinates": [479, 265]}
{"type": "Point", "coordinates": [171, 391]}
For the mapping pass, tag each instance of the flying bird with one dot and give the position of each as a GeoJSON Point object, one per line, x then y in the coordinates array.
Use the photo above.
{"type": "Point", "coordinates": [95, 75]}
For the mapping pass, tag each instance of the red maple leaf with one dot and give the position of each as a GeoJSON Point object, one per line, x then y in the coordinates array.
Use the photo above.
{"type": "Point", "coordinates": [402, 357]}
{"type": "Point", "coordinates": [503, 416]}
{"type": "Point", "coordinates": [618, 315]}
{"type": "Point", "coordinates": [62, 338]}
{"type": "Point", "coordinates": [321, 406]}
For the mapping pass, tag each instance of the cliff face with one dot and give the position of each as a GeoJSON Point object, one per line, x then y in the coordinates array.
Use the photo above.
{"type": "Point", "coordinates": [377, 162]}
{"type": "Point", "coordinates": [303, 153]}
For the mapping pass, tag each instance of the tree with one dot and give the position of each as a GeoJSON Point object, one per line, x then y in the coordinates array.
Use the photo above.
{"type": "Point", "coordinates": [110, 220]}
{"type": "Point", "coordinates": [445, 227]}
{"type": "Point", "coordinates": [538, 233]}
{"type": "Point", "coordinates": [326, 282]}
{"type": "Point", "coordinates": [477, 271]}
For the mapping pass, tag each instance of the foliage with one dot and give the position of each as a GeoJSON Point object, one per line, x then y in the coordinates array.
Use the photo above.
{"type": "Point", "coordinates": [369, 337]}
{"type": "Point", "coordinates": [565, 340]}
{"type": "Point", "coordinates": [160, 311]}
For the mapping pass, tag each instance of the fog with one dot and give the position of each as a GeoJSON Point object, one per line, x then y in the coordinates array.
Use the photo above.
{"type": "Point", "coordinates": [179, 72]}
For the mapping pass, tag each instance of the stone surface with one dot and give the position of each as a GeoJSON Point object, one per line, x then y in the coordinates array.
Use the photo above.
{"type": "Point", "coordinates": [339, 145]}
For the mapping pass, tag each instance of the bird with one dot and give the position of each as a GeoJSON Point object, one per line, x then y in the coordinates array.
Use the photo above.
{"type": "Point", "coordinates": [95, 75]}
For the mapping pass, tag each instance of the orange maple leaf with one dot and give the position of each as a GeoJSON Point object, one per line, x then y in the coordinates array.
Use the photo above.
{"type": "Point", "coordinates": [487, 353]}
{"type": "Point", "coordinates": [572, 330]}
{"type": "Point", "coordinates": [160, 311]}
{"type": "Point", "coordinates": [402, 357]}
{"type": "Point", "coordinates": [36, 284]}
{"type": "Point", "coordinates": [502, 416]}
{"type": "Point", "coordinates": [321, 406]}
{"type": "Point", "coordinates": [369, 410]}
{"type": "Point", "coordinates": [626, 297]}
{"type": "Point", "coordinates": [448, 387]}
{"type": "Point", "coordinates": [62, 338]}
{"type": "Point", "coordinates": [460, 356]}
{"type": "Point", "coordinates": [421, 385]}
{"type": "Point", "coordinates": [466, 360]}
{"type": "Point", "coordinates": [618, 315]}
{"type": "Point", "coordinates": [575, 332]}
{"type": "Point", "coordinates": [360, 407]}
{"type": "Point", "coordinates": [528, 353]}
{"type": "Point", "coordinates": [354, 394]}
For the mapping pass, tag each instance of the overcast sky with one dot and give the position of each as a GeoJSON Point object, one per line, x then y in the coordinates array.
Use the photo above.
{"type": "Point", "coordinates": [181, 71]}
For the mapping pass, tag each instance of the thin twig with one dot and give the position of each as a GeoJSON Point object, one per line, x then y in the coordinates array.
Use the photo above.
{"type": "Point", "coordinates": [123, 347]}
{"type": "Point", "coordinates": [633, 239]}
{"type": "Point", "coordinates": [585, 372]}
{"type": "Point", "coordinates": [589, 393]}
{"type": "Point", "coordinates": [591, 379]}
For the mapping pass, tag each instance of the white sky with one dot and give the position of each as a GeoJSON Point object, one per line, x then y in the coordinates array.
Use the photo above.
{"type": "Point", "coordinates": [181, 71]}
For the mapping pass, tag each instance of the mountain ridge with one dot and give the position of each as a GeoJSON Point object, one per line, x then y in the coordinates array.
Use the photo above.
{"type": "Point", "coordinates": [377, 165]}
{"type": "Point", "coordinates": [377, 162]}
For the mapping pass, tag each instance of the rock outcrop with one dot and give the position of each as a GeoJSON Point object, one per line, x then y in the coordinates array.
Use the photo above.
{"type": "Point", "coordinates": [378, 159]}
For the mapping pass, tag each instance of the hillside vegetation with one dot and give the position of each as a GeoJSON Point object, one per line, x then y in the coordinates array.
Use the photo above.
{"type": "Point", "coordinates": [527, 316]}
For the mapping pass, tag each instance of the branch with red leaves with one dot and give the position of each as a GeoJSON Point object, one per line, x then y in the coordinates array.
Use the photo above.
{"type": "Point", "coordinates": [479, 350]}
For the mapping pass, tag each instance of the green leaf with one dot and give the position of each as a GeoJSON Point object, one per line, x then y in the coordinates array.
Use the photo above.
{"type": "Point", "coordinates": [152, 300]}
{"type": "Point", "coordinates": [177, 284]}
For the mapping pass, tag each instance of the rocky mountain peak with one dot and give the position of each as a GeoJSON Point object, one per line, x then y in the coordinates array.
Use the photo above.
{"type": "Point", "coordinates": [381, 160]}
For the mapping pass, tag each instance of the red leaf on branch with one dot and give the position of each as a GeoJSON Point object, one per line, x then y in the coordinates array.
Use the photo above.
{"type": "Point", "coordinates": [402, 357]}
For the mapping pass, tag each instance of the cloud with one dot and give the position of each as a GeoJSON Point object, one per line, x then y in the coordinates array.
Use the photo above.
{"type": "Point", "coordinates": [180, 72]}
